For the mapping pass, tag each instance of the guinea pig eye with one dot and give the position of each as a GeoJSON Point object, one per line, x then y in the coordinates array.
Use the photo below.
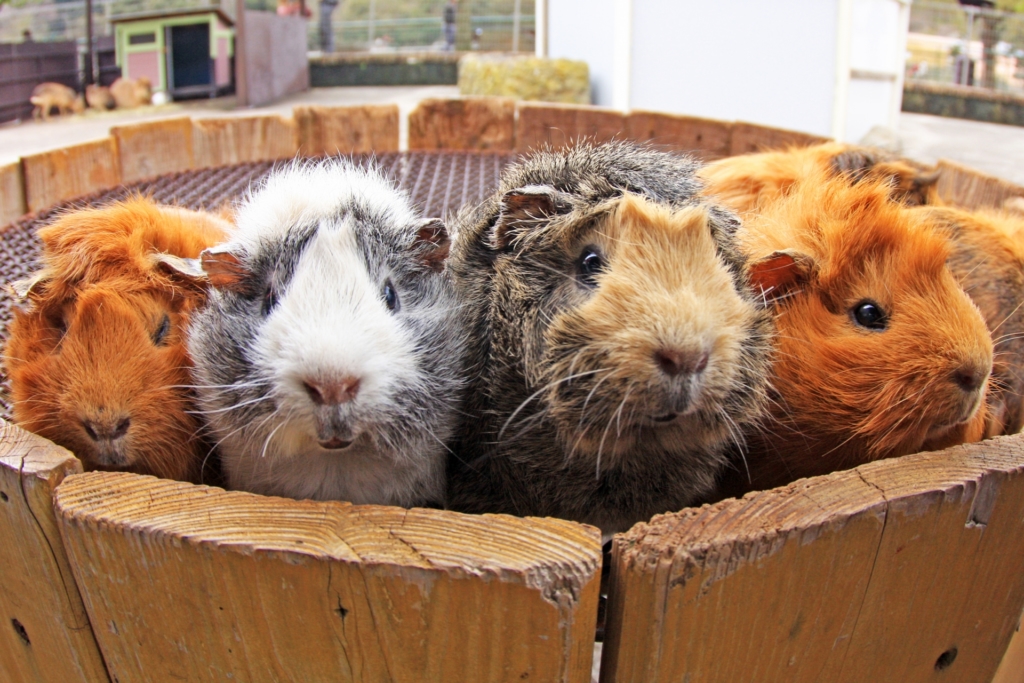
{"type": "Point", "coordinates": [870, 315]}
{"type": "Point", "coordinates": [269, 301]}
{"type": "Point", "coordinates": [390, 297]}
{"type": "Point", "coordinates": [160, 335]}
{"type": "Point", "coordinates": [589, 265]}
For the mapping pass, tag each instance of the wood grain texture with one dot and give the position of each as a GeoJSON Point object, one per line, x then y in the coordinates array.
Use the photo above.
{"type": "Point", "coordinates": [44, 630]}
{"type": "Point", "coordinates": [476, 123]}
{"type": "Point", "coordinates": [970, 189]}
{"type": "Point", "coordinates": [1011, 669]}
{"type": "Point", "coordinates": [558, 125]}
{"type": "Point", "coordinates": [347, 130]}
{"type": "Point", "coordinates": [750, 137]}
{"type": "Point", "coordinates": [154, 148]}
{"type": "Point", "coordinates": [195, 583]}
{"type": "Point", "coordinates": [52, 177]}
{"type": "Point", "coordinates": [875, 574]}
{"type": "Point", "coordinates": [242, 139]}
{"type": "Point", "coordinates": [12, 193]}
{"type": "Point", "coordinates": [705, 138]}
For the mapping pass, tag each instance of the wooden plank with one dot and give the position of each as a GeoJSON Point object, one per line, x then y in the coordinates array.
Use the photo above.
{"type": "Point", "coordinates": [12, 193]}
{"type": "Point", "coordinates": [196, 583]}
{"type": "Point", "coordinates": [153, 148]}
{"type": "Point", "coordinates": [44, 631]}
{"type": "Point", "coordinates": [900, 570]}
{"type": "Point", "coordinates": [241, 139]}
{"type": "Point", "coordinates": [347, 130]}
{"type": "Point", "coordinates": [970, 189]}
{"type": "Point", "coordinates": [748, 138]}
{"type": "Point", "coordinates": [557, 125]}
{"type": "Point", "coordinates": [705, 138]}
{"type": "Point", "coordinates": [52, 177]}
{"type": "Point", "coordinates": [477, 123]}
{"type": "Point", "coordinates": [1011, 669]}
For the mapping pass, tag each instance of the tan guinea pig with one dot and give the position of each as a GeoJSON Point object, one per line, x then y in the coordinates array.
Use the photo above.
{"type": "Point", "coordinates": [97, 361]}
{"type": "Point", "coordinates": [879, 352]}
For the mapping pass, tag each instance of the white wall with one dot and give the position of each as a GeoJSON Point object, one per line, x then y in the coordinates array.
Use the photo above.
{"type": "Point", "coordinates": [584, 29]}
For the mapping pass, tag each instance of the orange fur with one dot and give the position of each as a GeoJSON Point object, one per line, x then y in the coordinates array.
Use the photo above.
{"type": "Point", "coordinates": [845, 394]}
{"type": "Point", "coordinates": [102, 347]}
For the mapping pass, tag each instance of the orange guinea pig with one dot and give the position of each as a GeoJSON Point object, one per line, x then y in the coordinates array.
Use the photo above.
{"type": "Point", "coordinates": [746, 181]}
{"type": "Point", "coordinates": [879, 352]}
{"type": "Point", "coordinates": [988, 259]}
{"type": "Point", "coordinates": [97, 361]}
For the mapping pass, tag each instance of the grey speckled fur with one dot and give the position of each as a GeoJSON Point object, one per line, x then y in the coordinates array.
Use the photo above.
{"type": "Point", "coordinates": [524, 469]}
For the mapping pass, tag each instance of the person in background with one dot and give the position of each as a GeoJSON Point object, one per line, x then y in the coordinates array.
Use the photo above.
{"type": "Point", "coordinates": [449, 25]}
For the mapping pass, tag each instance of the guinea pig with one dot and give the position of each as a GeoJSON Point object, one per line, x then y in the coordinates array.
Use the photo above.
{"type": "Point", "coordinates": [987, 258]}
{"type": "Point", "coordinates": [746, 181]}
{"type": "Point", "coordinates": [329, 359]}
{"type": "Point", "coordinates": [97, 361]}
{"type": "Point", "coordinates": [880, 353]}
{"type": "Point", "coordinates": [616, 349]}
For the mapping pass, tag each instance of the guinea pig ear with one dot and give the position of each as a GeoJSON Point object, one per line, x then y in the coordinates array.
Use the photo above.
{"type": "Point", "coordinates": [432, 243]}
{"type": "Point", "coordinates": [21, 289]}
{"type": "Point", "coordinates": [525, 205]}
{"type": "Point", "coordinates": [776, 275]}
{"type": "Point", "coordinates": [225, 269]}
{"type": "Point", "coordinates": [187, 269]}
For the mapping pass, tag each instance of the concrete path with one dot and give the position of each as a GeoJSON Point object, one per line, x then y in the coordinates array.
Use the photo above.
{"type": "Point", "coordinates": [988, 147]}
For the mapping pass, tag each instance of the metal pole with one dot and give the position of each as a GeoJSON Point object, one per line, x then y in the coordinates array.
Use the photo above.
{"type": "Point", "coordinates": [515, 25]}
{"type": "Point", "coordinates": [88, 43]}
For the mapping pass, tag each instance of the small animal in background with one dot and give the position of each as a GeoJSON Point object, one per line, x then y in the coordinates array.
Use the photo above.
{"type": "Point", "coordinates": [987, 259]}
{"type": "Point", "coordinates": [880, 353]}
{"type": "Point", "coordinates": [128, 93]}
{"type": "Point", "coordinates": [47, 96]}
{"type": "Point", "coordinates": [329, 359]}
{"type": "Point", "coordinates": [616, 348]}
{"type": "Point", "coordinates": [97, 360]}
{"type": "Point", "coordinates": [99, 97]}
{"type": "Point", "coordinates": [746, 181]}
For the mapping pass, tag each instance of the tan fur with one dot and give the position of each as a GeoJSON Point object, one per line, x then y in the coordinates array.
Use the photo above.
{"type": "Point", "coordinates": [46, 96]}
{"type": "Point", "coordinates": [128, 93]}
{"type": "Point", "coordinates": [101, 346]}
{"type": "Point", "coordinates": [845, 394]}
{"type": "Point", "coordinates": [99, 97]}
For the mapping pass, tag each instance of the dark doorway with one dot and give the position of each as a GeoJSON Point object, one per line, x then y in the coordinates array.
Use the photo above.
{"type": "Point", "coordinates": [190, 61]}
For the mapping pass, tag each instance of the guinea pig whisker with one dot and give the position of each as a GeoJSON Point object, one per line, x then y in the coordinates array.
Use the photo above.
{"type": "Point", "coordinates": [583, 410]}
{"type": "Point", "coordinates": [231, 407]}
{"type": "Point", "coordinates": [737, 438]}
{"type": "Point", "coordinates": [266, 443]}
{"type": "Point", "coordinates": [1010, 315]}
{"type": "Point", "coordinates": [539, 392]}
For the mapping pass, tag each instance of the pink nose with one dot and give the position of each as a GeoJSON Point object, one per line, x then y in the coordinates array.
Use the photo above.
{"type": "Point", "coordinates": [674, 362]}
{"type": "Point", "coordinates": [333, 391]}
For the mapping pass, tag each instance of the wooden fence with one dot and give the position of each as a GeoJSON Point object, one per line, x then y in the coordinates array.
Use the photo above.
{"type": "Point", "coordinates": [23, 66]}
{"type": "Point", "coordinates": [902, 570]}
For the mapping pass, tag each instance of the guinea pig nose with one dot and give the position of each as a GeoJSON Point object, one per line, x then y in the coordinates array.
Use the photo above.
{"type": "Point", "coordinates": [109, 429]}
{"type": "Point", "coordinates": [674, 362]}
{"type": "Point", "coordinates": [969, 378]}
{"type": "Point", "coordinates": [333, 391]}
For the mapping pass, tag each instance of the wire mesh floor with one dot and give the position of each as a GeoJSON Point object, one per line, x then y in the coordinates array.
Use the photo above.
{"type": "Point", "coordinates": [439, 183]}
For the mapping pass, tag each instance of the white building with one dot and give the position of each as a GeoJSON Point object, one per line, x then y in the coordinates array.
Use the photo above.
{"type": "Point", "coordinates": [828, 67]}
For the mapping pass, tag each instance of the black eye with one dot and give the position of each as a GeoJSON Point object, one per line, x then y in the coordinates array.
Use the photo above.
{"type": "Point", "coordinates": [390, 297]}
{"type": "Point", "coordinates": [870, 315]}
{"type": "Point", "coordinates": [161, 331]}
{"type": "Point", "coordinates": [269, 300]}
{"type": "Point", "coordinates": [589, 265]}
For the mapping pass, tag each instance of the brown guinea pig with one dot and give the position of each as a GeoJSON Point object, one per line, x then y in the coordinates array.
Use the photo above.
{"type": "Point", "coordinates": [97, 361]}
{"type": "Point", "coordinates": [746, 181]}
{"type": "Point", "coordinates": [618, 349]}
{"type": "Point", "coordinates": [988, 259]}
{"type": "Point", "coordinates": [879, 351]}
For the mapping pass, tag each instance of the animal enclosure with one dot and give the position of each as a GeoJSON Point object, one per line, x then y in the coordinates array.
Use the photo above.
{"type": "Point", "coordinates": [906, 569]}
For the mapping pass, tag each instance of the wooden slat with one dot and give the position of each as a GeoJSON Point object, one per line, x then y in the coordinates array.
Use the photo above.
{"type": "Point", "coordinates": [706, 138]}
{"type": "Point", "coordinates": [1011, 669]}
{"type": "Point", "coordinates": [556, 125]}
{"type": "Point", "coordinates": [750, 137]}
{"type": "Point", "coordinates": [44, 631]}
{"type": "Point", "coordinates": [195, 583]}
{"type": "Point", "coordinates": [347, 130]}
{"type": "Point", "coordinates": [477, 123]}
{"type": "Point", "coordinates": [241, 139]}
{"type": "Point", "coordinates": [12, 193]}
{"type": "Point", "coordinates": [874, 574]}
{"type": "Point", "coordinates": [970, 189]}
{"type": "Point", "coordinates": [154, 148]}
{"type": "Point", "coordinates": [52, 177]}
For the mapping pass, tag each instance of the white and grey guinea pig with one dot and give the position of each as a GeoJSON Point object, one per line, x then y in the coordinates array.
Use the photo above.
{"type": "Point", "coordinates": [328, 362]}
